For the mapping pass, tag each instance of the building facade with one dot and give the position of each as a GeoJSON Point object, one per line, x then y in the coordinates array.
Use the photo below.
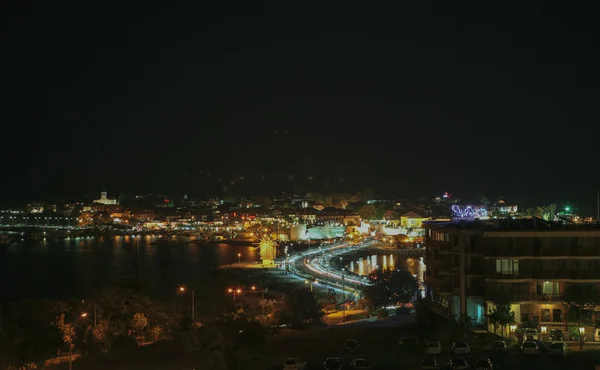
{"type": "Point", "coordinates": [472, 265]}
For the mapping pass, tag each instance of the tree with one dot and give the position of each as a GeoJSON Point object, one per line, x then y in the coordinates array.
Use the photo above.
{"type": "Point", "coordinates": [390, 286]}
{"type": "Point", "coordinates": [207, 343]}
{"type": "Point", "coordinates": [580, 301]}
{"type": "Point", "coordinates": [367, 212]}
{"type": "Point", "coordinates": [381, 209]}
{"type": "Point", "coordinates": [549, 212]}
{"type": "Point", "coordinates": [299, 308]}
{"type": "Point", "coordinates": [26, 335]}
{"type": "Point", "coordinates": [97, 336]}
{"type": "Point", "coordinates": [67, 331]}
{"type": "Point", "coordinates": [501, 315]}
{"type": "Point", "coordinates": [156, 331]}
{"type": "Point", "coordinates": [139, 323]}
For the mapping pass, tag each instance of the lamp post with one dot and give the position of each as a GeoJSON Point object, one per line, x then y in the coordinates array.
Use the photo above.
{"type": "Point", "coordinates": [581, 337]}
{"type": "Point", "coordinates": [513, 329]}
{"type": "Point", "coordinates": [234, 292]}
{"type": "Point", "coordinates": [183, 289]}
{"type": "Point", "coordinates": [239, 258]}
{"type": "Point", "coordinates": [69, 332]}
{"type": "Point", "coordinates": [311, 284]}
{"type": "Point", "coordinates": [262, 300]}
{"type": "Point", "coordinates": [343, 291]}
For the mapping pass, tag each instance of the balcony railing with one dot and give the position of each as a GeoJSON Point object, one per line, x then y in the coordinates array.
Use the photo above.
{"type": "Point", "coordinates": [547, 275]}
{"type": "Point", "coordinates": [519, 297]}
{"type": "Point", "coordinates": [475, 270]}
{"type": "Point", "coordinates": [562, 252]}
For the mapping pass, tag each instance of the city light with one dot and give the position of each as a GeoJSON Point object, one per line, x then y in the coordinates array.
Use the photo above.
{"type": "Point", "coordinates": [469, 211]}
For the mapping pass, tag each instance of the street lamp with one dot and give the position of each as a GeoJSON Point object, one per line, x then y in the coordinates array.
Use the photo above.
{"type": "Point", "coordinates": [581, 337]}
{"type": "Point", "coordinates": [513, 329]}
{"type": "Point", "coordinates": [311, 284]}
{"type": "Point", "coordinates": [343, 291]}
{"type": "Point", "coordinates": [234, 292]}
{"type": "Point", "coordinates": [262, 299]}
{"type": "Point", "coordinates": [183, 289]}
{"type": "Point", "coordinates": [239, 257]}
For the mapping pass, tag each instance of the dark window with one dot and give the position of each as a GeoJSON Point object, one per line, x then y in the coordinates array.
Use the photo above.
{"type": "Point", "coordinates": [537, 247]}
{"type": "Point", "coordinates": [556, 315]}
{"type": "Point", "coordinates": [545, 315]}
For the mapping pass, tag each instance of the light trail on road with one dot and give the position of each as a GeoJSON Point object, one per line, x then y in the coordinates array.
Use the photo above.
{"type": "Point", "coordinates": [324, 275]}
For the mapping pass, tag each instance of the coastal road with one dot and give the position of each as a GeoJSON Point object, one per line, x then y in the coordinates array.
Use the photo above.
{"type": "Point", "coordinates": [311, 265]}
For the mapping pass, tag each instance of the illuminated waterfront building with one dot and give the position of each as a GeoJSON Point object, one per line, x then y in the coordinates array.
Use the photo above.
{"type": "Point", "coordinates": [529, 263]}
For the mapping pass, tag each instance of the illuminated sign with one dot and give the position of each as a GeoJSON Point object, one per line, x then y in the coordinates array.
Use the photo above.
{"type": "Point", "coordinates": [469, 212]}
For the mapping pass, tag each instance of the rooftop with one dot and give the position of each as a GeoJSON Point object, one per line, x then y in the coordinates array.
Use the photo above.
{"type": "Point", "coordinates": [511, 224]}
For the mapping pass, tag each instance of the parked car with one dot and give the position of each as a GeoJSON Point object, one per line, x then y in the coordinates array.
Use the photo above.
{"type": "Point", "coordinates": [460, 348]}
{"type": "Point", "coordinates": [484, 364]}
{"type": "Point", "coordinates": [294, 363]}
{"type": "Point", "coordinates": [429, 364]}
{"type": "Point", "coordinates": [499, 346]}
{"type": "Point", "coordinates": [351, 345]}
{"type": "Point", "coordinates": [409, 342]}
{"type": "Point", "coordinates": [556, 335]}
{"type": "Point", "coordinates": [458, 364]}
{"type": "Point", "coordinates": [333, 363]}
{"type": "Point", "coordinates": [433, 348]}
{"type": "Point", "coordinates": [558, 349]}
{"type": "Point", "coordinates": [529, 348]}
{"type": "Point", "coordinates": [530, 335]}
{"type": "Point", "coordinates": [360, 364]}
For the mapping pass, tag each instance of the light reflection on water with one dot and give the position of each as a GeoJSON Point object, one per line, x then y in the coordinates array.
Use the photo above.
{"type": "Point", "coordinates": [73, 267]}
{"type": "Point", "coordinates": [364, 265]}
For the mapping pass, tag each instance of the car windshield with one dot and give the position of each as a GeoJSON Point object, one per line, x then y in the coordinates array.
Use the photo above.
{"type": "Point", "coordinates": [529, 345]}
{"type": "Point", "coordinates": [460, 344]}
{"type": "Point", "coordinates": [499, 344]}
{"type": "Point", "coordinates": [432, 345]}
{"type": "Point", "coordinates": [459, 362]}
{"type": "Point", "coordinates": [290, 361]}
{"type": "Point", "coordinates": [428, 362]}
{"type": "Point", "coordinates": [361, 363]}
{"type": "Point", "coordinates": [525, 325]}
{"type": "Point", "coordinates": [483, 363]}
{"type": "Point", "coordinates": [351, 343]}
{"type": "Point", "coordinates": [556, 346]}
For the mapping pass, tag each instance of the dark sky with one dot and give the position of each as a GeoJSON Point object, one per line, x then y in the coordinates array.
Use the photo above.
{"type": "Point", "coordinates": [410, 100]}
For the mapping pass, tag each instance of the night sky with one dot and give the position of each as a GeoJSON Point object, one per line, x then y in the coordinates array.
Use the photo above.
{"type": "Point", "coordinates": [409, 100]}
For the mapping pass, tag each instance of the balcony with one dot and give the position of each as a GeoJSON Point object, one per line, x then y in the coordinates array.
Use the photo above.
{"type": "Point", "coordinates": [557, 252]}
{"type": "Point", "coordinates": [476, 291]}
{"type": "Point", "coordinates": [547, 275]}
{"type": "Point", "coordinates": [524, 297]}
{"type": "Point", "coordinates": [475, 270]}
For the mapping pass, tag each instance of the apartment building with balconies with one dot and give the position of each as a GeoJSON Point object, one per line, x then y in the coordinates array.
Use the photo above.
{"type": "Point", "coordinates": [472, 265]}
